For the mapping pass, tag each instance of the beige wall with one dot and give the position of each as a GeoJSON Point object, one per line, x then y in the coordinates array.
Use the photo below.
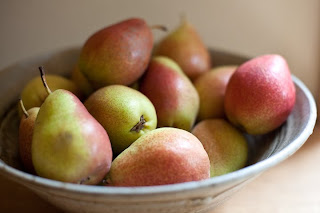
{"type": "Point", "coordinates": [252, 27]}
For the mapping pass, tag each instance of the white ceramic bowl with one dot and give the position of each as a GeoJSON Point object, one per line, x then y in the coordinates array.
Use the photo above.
{"type": "Point", "coordinates": [200, 196]}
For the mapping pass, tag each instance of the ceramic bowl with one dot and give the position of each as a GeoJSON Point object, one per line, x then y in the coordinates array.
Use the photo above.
{"type": "Point", "coordinates": [201, 196]}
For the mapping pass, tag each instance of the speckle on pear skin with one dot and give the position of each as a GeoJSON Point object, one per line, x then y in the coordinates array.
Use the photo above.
{"type": "Point", "coordinates": [163, 156]}
{"type": "Point", "coordinates": [117, 54]}
{"type": "Point", "coordinates": [172, 93]}
{"type": "Point", "coordinates": [121, 109]}
{"type": "Point", "coordinates": [260, 94]}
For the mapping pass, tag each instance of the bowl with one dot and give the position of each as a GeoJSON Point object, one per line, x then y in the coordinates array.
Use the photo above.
{"type": "Point", "coordinates": [266, 151]}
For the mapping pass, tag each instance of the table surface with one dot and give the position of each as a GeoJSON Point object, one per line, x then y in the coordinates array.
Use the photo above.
{"type": "Point", "coordinates": [292, 186]}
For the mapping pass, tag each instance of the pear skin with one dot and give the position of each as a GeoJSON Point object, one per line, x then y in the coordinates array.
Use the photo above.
{"type": "Point", "coordinates": [260, 94]}
{"type": "Point", "coordinates": [211, 87]}
{"type": "Point", "coordinates": [68, 144]}
{"type": "Point", "coordinates": [227, 148]}
{"type": "Point", "coordinates": [78, 78]}
{"type": "Point", "coordinates": [125, 113]}
{"type": "Point", "coordinates": [185, 46]}
{"type": "Point", "coordinates": [162, 156]}
{"type": "Point", "coordinates": [34, 94]}
{"type": "Point", "coordinates": [175, 98]}
{"type": "Point", "coordinates": [117, 54]}
{"type": "Point", "coordinates": [26, 127]}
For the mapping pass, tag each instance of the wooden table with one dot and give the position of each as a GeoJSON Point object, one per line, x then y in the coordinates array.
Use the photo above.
{"type": "Point", "coordinates": [291, 187]}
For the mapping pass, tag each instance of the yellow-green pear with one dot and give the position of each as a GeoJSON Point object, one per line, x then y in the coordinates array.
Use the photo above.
{"type": "Point", "coordinates": [226, 146]}
{"type": "Point", "coordinates": [68, 144]}
{"type": "Point", "coordinates": [125, 113]}
{"type": "Point", "coordinates": [34, 94]}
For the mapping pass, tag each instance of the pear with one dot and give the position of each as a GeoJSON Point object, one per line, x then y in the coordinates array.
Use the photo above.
{"type": "Point", "coordinates": [34, 94]}
{"type": "Point", "coordinates": [211, 87]}
{"type": "Point", "coordinates": [260, 94]}
{"type": "Point", "coordinates": [175, 98]}
{"type": "Point", "coordinates": [68, 144]}
{"type": "Point", "coordinates": [117, 54]}
{"type": "Point", "coordinates": [82, 83]}
{"type": "Point", "coordinates": [226, 146]}
{"type": "Point", "coordinates": [162, 156]}
{"type": "Point", "coordinates": [185, 46]}
{"type": "Point", "coordinates": [125, 113]}
{"type": "Point", "coordinates": [26, 127]}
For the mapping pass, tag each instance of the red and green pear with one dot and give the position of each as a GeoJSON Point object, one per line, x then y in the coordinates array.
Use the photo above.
{"type": "Point", "coordinates": [260, 94]}
{"type": "Point", "coordinates": [68, 144]}
{"type": "Point", "coordinates": [172, 93]}
{"type": "Point", "coordinates": [211, 87]}
{"type": "Point", "coordinates": [226, 146]}
{"type": "Point", "coordinates": [117, 54]}
{"type": "Point", "coordinates": [163, 156]}
{"type": "Point", "coordinates": [125, 113]}
{"type": "Point", "coordinates": [185, 46]}
{"type": "Point", "coordinates": [26, 127]}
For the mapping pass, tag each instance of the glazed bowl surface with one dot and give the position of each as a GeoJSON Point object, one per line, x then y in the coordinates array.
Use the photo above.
{"type": "Point", "coordinates": [266, 151]}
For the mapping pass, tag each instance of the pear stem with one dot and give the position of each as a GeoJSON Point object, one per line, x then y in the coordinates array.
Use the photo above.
{"type": "Point", "coordinates": [159, 27]}
{"type": "Point", "coordinates": [139, 126]}
{"type": "Point", "coordinates": [183, 18]}
{"type": "Point", "coordinates": [23, 108]}
{"type": "Point", "coordinates": [43, 78]}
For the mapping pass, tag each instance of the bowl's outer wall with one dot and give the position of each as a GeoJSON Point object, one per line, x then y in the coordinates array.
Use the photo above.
{"type": "Point", "coordinates": [187, 197]}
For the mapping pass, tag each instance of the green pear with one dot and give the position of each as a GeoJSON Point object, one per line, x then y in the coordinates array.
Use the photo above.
{"type": "Point", "coordinates": [34, 94]}
{"type": "Point", "coordinates": [226, 146]}
{"type": "Point", "coordinates": [68, 144]}
{"type": "Point", "coordinates": [117, 54]}
{"type": "Point", "coordinates": [125, 113]}
{"type": "Point", "coordinates": [162, 156]}
{"type": "Point", "coordinates": [26, 127]}
{"type": "Point", "coordinates": [175, 98]}
{"type": "Point", "coordinates": [185, 46]}
{"type": "Point", "coordinates": [260, 94]}
{"type": "Point", "coordinates": [211, 87]}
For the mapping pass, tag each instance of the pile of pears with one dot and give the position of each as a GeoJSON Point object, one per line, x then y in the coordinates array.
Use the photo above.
{"type": "Point", "coordinates": [136, 113]}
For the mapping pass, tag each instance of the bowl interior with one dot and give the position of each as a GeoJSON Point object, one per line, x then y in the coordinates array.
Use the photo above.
{"type": "Point", "coordinates": [265, 150]}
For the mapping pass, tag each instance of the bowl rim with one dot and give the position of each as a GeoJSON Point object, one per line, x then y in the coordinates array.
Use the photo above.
{"type": "Point", "coordinates": [241, 174]}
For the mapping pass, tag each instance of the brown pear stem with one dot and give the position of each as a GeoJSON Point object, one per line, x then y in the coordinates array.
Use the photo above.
{"type": "Point", "coordinates": [23, 108]}
{"type": "Point", "coordinates": [183, 18]}
{"type": "Point", "coordinates": [139, 126]}
{"type": "Point", "coordinates": [43, 78]}
{"type": "Point", "coordinates": [159, 27]}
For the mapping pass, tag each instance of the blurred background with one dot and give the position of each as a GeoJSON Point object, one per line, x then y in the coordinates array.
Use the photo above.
{"type": "Point", "coordinates": [287, 27]}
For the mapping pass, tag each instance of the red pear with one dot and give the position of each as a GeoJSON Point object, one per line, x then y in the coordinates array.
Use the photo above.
{"type": "Point", "coordinates": [68, 143]}
{"type": "Point", "coordinates": [171, 92]}
{"type": "Point", "coordinates": [162, 156]}
{"type": "Point", "coordinates": [25, 136]}
{"type": "Point", "coordinates": [117, 54]}
{"type": "Point", "coordinates": [260, 94]}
